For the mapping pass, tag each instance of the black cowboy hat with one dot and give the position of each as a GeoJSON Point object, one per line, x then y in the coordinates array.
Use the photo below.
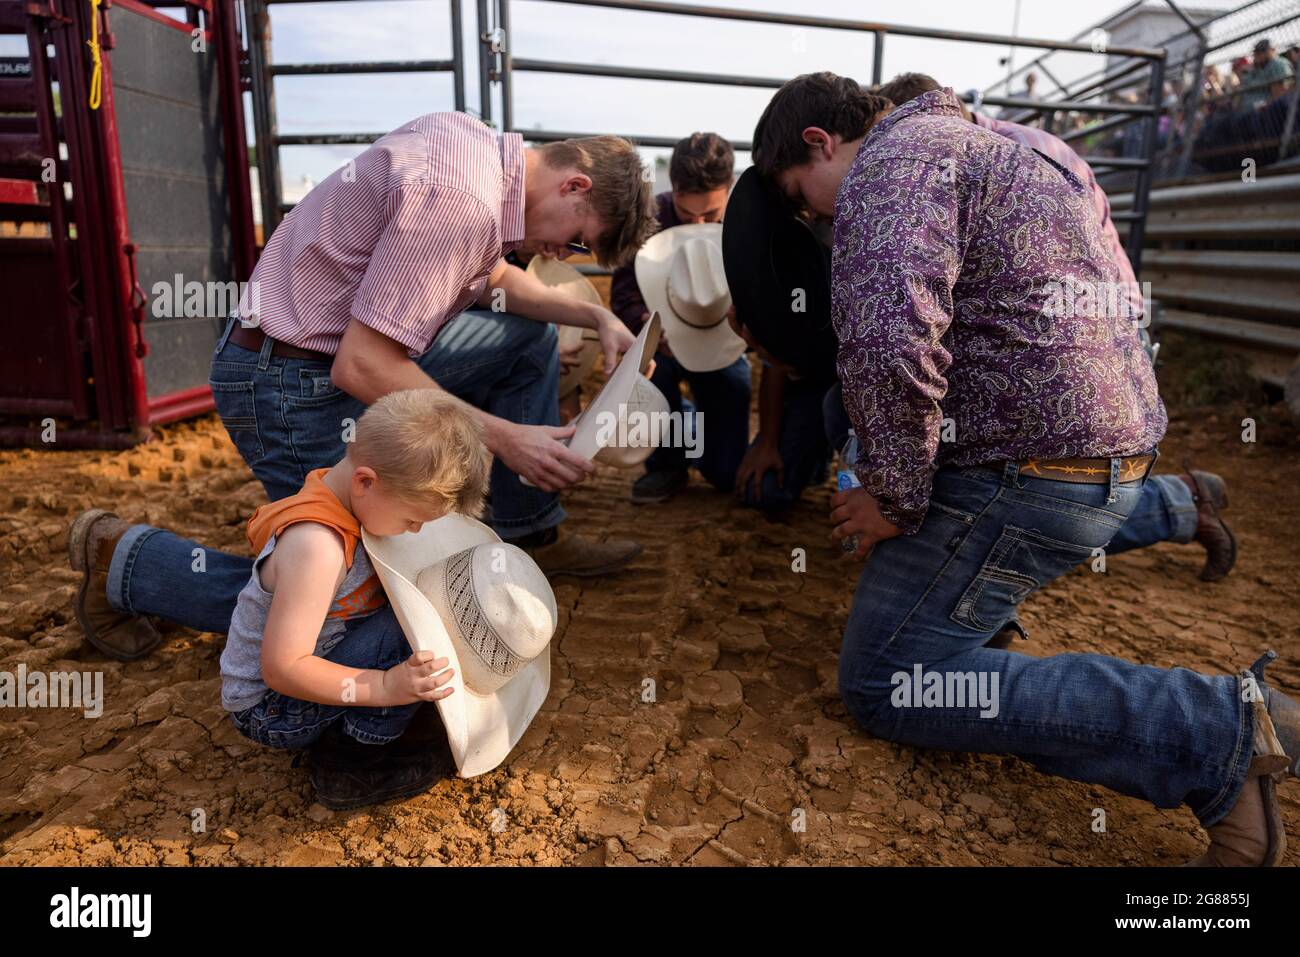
{"type": "Point", "coordinates": [769, 253]}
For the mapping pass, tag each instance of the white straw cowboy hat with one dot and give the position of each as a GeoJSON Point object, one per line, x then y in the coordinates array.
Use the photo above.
{"type": "Point", "coordinates": [625, 421]}
{"type": "Point", "coordinates": [681, 277]}
{"type": "Point", "coordinates": [462, 593]}
{"type": "Point", "coordinates": [562, 276]}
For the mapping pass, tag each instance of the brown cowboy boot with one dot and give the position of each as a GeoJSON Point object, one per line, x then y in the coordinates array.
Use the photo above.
{"type": "Point", "coordinates": [1252, 833]}
{"type": "Point", "coordinates": [1283, 713]}
{"type": "Point", "coordinates": [118, 634]}
{"type": "Point", "coordinates": [1210, 495]}
{"type": "Point", "coordinates": [574, 555]}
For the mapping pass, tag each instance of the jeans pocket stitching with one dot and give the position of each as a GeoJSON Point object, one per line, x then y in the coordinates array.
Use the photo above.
{"type": "Point", "coordinates": [991, 572]}
{"type": "Point", "coordinates": [239, 425]}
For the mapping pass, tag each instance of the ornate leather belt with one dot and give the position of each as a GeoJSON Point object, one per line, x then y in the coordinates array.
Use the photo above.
{"type": "Point", "coordinates": [1132, 468]}
{"type": "Point", "coordinates": [252, 338]}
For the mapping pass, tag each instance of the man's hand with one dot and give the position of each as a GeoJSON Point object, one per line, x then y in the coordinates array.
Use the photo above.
{"type": "Point", "coordinates": [419, 678]}
{"type": "Point", "coordinates": [854, 512]}
{"type": "Point", "coordinates": [761, 458]}
{"type": "Point", "coordinates": [571, 356]}
{"type": "Point", "coordinates": [538, 454]}
{"type": "Point", "coordinates": [615, 338]}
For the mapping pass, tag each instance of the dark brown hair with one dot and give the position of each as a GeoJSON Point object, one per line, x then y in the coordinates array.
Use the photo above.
{"type": "Point", "coordinates": [837, 104]}
{"type": "Point", "coordinates": [621, 194]}
{"type": "Point", "coordinates": [907, 86]}
{"type": "Point", "coordinates": [702, 162]}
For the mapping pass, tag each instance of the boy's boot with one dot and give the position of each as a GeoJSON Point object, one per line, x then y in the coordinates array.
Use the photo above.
{"type": "Point", "coordinates": [118, 634]}
{"type": "Point", "coordinates": [348, 774]}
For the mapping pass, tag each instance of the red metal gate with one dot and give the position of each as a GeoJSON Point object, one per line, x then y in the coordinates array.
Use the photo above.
{"type": "Point", "coordinates": [89, 234]}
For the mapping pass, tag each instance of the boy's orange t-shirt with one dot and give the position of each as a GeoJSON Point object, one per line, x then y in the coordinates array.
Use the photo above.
{"type": "Point", "coordinates": [316, 503]}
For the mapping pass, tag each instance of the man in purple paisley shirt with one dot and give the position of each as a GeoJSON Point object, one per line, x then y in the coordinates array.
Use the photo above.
{"type": "Point", "coordinates": [1007, 418]}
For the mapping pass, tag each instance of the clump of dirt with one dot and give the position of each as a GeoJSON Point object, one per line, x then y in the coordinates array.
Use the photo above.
{"type": "Point", "coordinates": [693, 715]}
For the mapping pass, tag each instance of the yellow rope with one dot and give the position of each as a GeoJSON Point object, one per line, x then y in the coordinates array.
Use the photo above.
{"type": "Point", "coordinates": [96, 78]}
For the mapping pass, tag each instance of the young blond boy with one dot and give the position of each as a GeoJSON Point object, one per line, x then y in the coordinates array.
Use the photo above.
{"type": "Point", "coordinates": [314, 655]}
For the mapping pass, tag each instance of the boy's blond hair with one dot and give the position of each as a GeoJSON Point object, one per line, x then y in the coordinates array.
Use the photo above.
{"type": "Point", "coordinates": [424, 444]}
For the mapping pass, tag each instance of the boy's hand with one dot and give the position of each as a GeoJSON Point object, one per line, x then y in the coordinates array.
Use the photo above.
{"type": "Point", "coordinates": [761, 458]}
{"type": "Point", "coordinates": [419, 678]}
{"type": "Point", "coordinates": [855, 512]}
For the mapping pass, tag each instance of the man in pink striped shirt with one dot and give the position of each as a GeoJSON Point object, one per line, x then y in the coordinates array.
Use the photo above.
{"type": "Point", "coordinates": [370, 286]}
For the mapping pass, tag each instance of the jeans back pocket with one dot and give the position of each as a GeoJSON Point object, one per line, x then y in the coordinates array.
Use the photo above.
{"type": "Point", "coordinates": [1020, 563]}
{"type": "Point", "coordinates": [236, 404]}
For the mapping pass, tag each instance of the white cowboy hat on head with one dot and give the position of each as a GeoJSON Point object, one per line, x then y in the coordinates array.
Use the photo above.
{"type": "Point", "coordinates": [462, 593]}
{"type": "Point", "coordinates": [563, 277]}
{"type": "Point", "coordinates": [626, 420]}
{"type": "Point", "coordinates": [681, 277]}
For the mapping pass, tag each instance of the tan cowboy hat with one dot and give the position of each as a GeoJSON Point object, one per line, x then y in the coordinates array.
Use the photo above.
{"type": "Point", "coordinates": [681, 277]}
{"type": "Point", "coordinates": [560, 275]}
{"type": "Point", "coordinates": [626, 420]}
{"type": "Point", "coordinates": [462, 593]}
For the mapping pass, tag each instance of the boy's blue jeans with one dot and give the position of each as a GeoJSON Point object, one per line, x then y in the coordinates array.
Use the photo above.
{"type": "Point", "coordinates": [287, 418]}
{"type": "Point", "coordinates": [931, 600]}
{"type": "Point", "coordinates": [802, 444]}
{"type": "Point", "coordinates": [278, 721]}
{"type": "Point", "coordinates": [721, 400]}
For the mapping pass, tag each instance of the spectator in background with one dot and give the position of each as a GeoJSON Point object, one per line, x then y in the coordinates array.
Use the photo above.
{"type": "Point", "coordinates": [701, 172]}
{"type": "Point", "coordinates": [1028, 93]}
{"type": "Point", "coordinates": [1292, 56]}
{"type": "Point", "coordinates": [1268, 80]}
{"type": "Point", "coordinates": [1235, 80]}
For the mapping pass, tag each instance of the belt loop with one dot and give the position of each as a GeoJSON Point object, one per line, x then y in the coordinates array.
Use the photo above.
{"type": "Point", "coordinates": [230, 325]}
{"type": "Point", "coordinates": [1112, 493]}
{"type": "Point", "coordinates": [1155, 457]}
{"type": "Point", "coordinates": [264, 357]}
{"type": "Point", "coordinates": [1010, 471]}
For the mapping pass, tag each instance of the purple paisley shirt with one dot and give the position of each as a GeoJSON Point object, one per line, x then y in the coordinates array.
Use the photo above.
{"type": "Point", "coordinates": [970, 284]}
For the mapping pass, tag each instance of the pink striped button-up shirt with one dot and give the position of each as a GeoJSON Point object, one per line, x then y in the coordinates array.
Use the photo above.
{"type": "Point", "coordinates": [402, 239]}
{"type": "Point", "coordinates": [1059, 151]}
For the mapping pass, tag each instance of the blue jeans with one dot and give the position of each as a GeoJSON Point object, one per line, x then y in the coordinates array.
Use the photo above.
{"type": "Point", "coordinates": [721, 402]}
{"type": "Point", "coordinates": [802, 443]}
{"type": "Point", "coordinates": [931, 600]}
{"type": "Point", "coordinates": [287, 418]}
{"type": "Point", "coordinates": [279, 721]}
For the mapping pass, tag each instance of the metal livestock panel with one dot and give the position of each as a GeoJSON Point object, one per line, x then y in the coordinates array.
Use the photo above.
{"type": "Point", "coordinates": [173, 156]}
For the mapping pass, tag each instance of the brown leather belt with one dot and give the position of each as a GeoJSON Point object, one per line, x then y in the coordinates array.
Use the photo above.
{"type": "Point", "coordinates": [252, 338]}
{"type": "Point", "coordinates": [1132, 468]}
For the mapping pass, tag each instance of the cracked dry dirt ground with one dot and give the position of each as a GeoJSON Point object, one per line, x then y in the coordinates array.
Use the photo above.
{"type": "Point", "coordinates": [746, 728]}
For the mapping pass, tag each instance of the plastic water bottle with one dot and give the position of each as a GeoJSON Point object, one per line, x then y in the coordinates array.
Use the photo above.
{"type": "Point", "coordinates": [846, 479]}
